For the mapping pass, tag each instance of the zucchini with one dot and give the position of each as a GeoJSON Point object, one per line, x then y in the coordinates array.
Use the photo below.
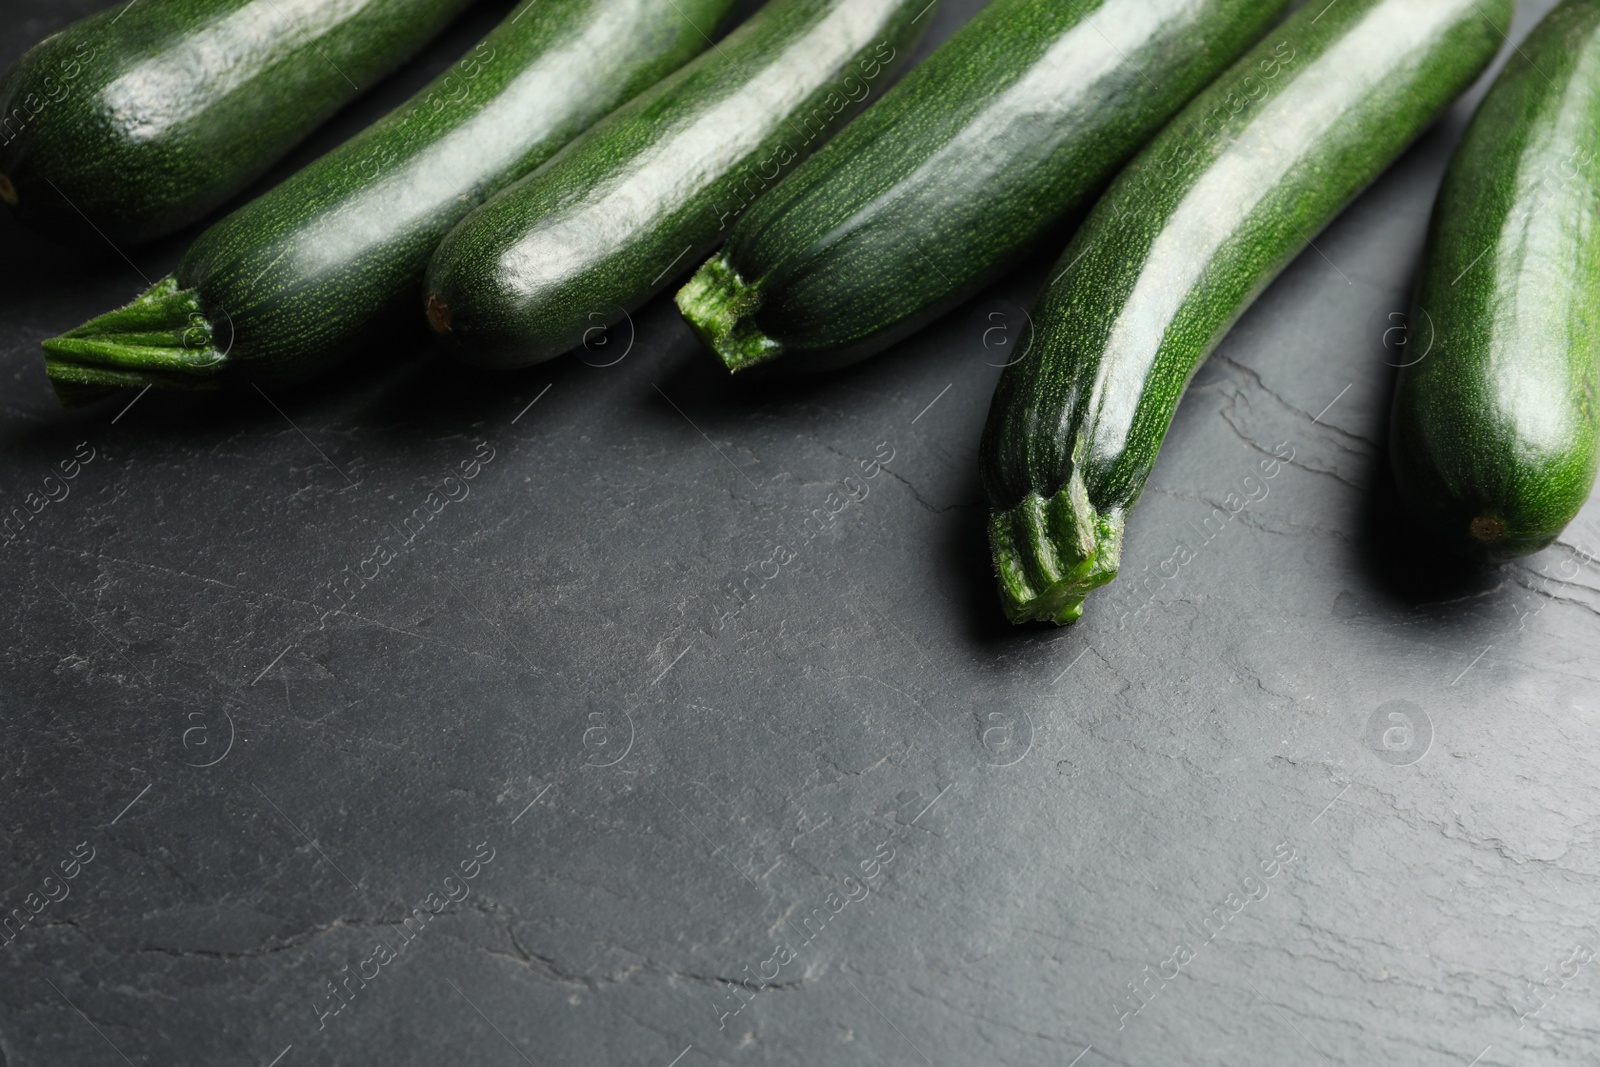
{"type": "Point", "coordinates": [291, 283]}
{"type": "Point", "coordinates": [1494, 433]}
{"type": "Point", "coordinates": [143, 118]}
{"type": "Point", "coordinates": [1186, 237]}
{"type": "Point", "coordinates": [957, 173]}
{"type": "Point", "coordinates": [592, 235]}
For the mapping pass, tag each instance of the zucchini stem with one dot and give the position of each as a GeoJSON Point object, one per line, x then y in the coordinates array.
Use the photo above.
{"type": "Point", "coordinates": [718, 305]}
{"type": "Point", "coordinates": [162, 338]}
{"type": "Point", "coordinates": [8, 191]}
{"type": "Point", "coordinates": [1050, 552]}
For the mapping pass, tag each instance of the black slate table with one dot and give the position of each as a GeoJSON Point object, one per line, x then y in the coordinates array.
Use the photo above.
{"type": "Point", "coordinates": [688, 730]}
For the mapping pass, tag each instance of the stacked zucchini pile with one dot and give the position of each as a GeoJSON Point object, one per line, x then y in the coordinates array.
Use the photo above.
{"type": "Point", "coordinates": [590, 153]}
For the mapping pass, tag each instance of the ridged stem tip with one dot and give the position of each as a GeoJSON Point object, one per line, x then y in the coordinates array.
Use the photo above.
{"type": "Point", "coordinates": [1050, 552]}
{"type": "Point", "coordinates": [162, 338]}
{"type": "Point", "coordinates": [718, 305]}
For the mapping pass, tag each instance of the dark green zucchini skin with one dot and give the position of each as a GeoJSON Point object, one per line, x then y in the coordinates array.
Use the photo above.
{"type": "Point", "coordinates": [595, 233]}
{"type": "Point", "coordinates": [956, 173]}
{"type": "Point", "coordinates": [1187, 236]}
{"type": "Point", "coordinates": [290, 284]}
{"type": "Point", "coordinates": [1493, 440]}
{"type": "Point", "coordinates": [143, 118]}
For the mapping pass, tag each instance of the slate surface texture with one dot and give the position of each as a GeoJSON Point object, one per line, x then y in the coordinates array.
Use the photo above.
{"type": "Point", "coordinates": [703, 682]}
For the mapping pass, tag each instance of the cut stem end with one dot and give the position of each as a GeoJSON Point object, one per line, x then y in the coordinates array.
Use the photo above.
{"type": "Point", "coordinates": [8, 191]}
{"type": "Point", "coordinates": [162, 338]}
{"type": "Point", "coordinates": [719, 306]}
{"type": "Point", "coordinates": [1051, 552]}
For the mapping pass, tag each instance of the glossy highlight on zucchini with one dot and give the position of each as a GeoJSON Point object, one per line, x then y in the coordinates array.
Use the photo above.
{"type": "Point", "coordinates": [1185, 239]}
{"type": "Point", "coordinates": [957, 173]}
{"type": "Point", "coordinates": [597, 231]}
{"type": "Point", "coordinates": [134, 122]}
{"type": "Point", "coordinates": [293, 282]}
{"type": "Point", "coordinates": [1494, 433]}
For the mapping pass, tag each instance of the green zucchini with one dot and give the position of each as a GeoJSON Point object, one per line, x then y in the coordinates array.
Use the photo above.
{"type": "Point", "coordinates": [291, 283]}
{"type": "Point", "coordinates": [1186, 237]}
{"type": "Point", "coordinates": [1494, 432]}
{"type": "Point", "coordinates": [592, 235]}
{"type": "Point", "coordinates": [143, 118]}
{"type": "Point", "coordinates": [957, 173]}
